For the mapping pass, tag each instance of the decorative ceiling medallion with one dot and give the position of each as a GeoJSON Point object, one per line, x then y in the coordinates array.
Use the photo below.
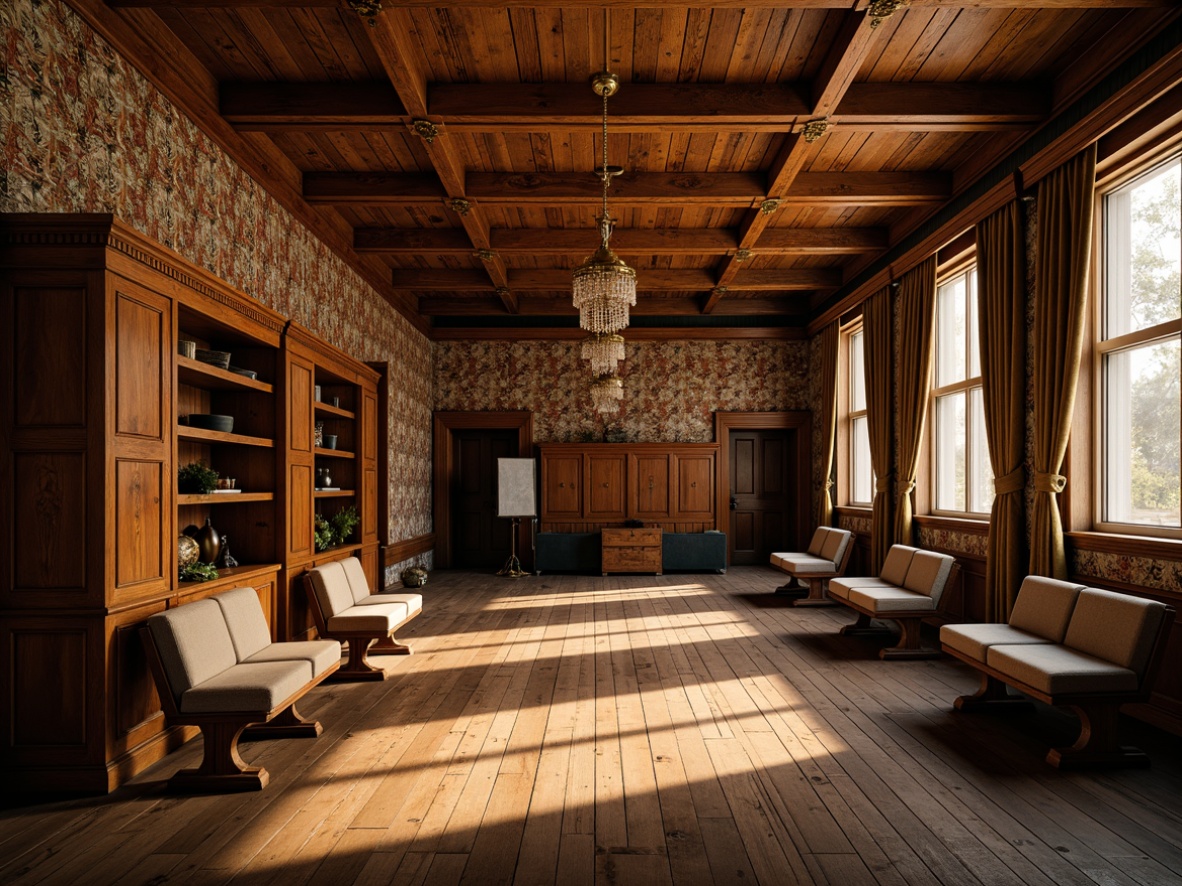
{"type": "Point", "coordinates": [814, 129]}
{"type": "Point", "coordinates": [767, 207]}
{"type": "Point", "coordinates": [367, 9]}
{"type": "Point", "coordinates": [460, 206]}
{"type": "Point", "coordinates": [880, 10]}
{"type": "Point", "coordinates": [425, 129]}
{"type": "Point", "coordinates": [742, 255]}
{"type": "Point", "coordinates": [485, 254]}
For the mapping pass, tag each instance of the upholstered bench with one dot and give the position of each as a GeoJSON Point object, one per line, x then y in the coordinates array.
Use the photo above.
{"type": "Point", "coordinates": [344, 609]}
{"type": "Point", "coordinates": [216, 668]}
{"type": "Point", "coordinates": [906, 591]}
{"type": "Point", "coordinates": [827, 556]}
{"type": "Point", "coordinates": [1066, 644]}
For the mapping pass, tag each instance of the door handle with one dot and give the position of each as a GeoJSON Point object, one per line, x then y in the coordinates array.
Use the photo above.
{"type": "Point", "coordinates": [734, 503]}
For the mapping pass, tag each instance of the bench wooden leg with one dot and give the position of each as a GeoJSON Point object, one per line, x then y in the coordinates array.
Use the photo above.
{"type": "Point", "coordinates": [817, 595]}
{"type": "Point", "coordinates": [287, 724]}
{"type": "Point", "coordinates": [993, 694]}
{"type": "Point", "coordinates": [863, 626]}
{"type": "Point", "coordinates": [1097, 744]}
{"type": "Point", "coordinates": [221, 769]}
{"type": "Point", "coordinates": [390, 646]}
{"type": "Point", "coordinates": [791, 588]}
{"type": "Point", "coordinates": [909, 645]}
{"type": "Point", "coordinates": [358, 666]}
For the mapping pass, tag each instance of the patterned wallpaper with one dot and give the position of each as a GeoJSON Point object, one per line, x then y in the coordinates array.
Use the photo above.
{"type": "Point", "coordinates": [671, 389]}
{"type": "Point", "coordinates": [85, 132]}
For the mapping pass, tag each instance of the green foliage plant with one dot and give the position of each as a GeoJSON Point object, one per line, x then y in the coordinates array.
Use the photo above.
{"type": "Point", "coordinates": [199, 572]}
{"type": "Point", "coordinates": [196, 478]}
{"type": "Point", "coordinates": [323, 534]}
{"type": "Point", "coordinates": [343, 524]}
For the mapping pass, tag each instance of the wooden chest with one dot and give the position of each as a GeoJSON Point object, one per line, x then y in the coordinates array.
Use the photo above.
{"type": "Point", "coordinates": [631, 550]}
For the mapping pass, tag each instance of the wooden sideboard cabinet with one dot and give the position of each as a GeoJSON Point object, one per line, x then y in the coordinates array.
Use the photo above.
{"type": "Point", "coordinates": [631, 550]}
{"type": "Point", "coordinates": [587, 486]}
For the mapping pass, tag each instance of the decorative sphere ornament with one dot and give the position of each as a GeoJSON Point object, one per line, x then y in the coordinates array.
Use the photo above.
{"type": "Point", "coordinates": [414, 577]}
{"type": "Point", "coordinates": [187, 552]}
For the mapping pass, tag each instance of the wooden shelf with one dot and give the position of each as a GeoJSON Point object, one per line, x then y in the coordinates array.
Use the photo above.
{"type": "Point", "coordinates": [223, 498]}
{"type": "Point", "coordinates": [338, 493]}
{"type": "Point", "coordinates": [203, 375]}
{"type": "Point", "coordinates": [332, 453]}
{"type": "Point", "coordinates": [335, 411]}
{"type": "Point", "coordinates": [242, 573]}
{"type": "Point", "coordinates": [184, 432]}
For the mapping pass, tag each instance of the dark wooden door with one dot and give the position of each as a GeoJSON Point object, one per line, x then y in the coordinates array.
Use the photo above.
{"type": "Point", "coordinates": [480, 539]}
{"type": "Point", "coordinates": [762, 497]}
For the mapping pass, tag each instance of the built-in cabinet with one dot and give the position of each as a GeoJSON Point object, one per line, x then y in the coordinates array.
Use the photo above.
{"type": "Point", "coordinates": [94, 399]}
{"type": "Point", "coordinates": [588, 486]}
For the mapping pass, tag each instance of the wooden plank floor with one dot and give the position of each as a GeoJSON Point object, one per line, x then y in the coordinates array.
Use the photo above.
{"type": "Point", "coordinates": [684, 729]}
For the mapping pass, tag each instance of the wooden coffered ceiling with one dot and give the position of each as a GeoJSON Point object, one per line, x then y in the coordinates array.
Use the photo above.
{"type": "Point", "coordinates": [447, 148]}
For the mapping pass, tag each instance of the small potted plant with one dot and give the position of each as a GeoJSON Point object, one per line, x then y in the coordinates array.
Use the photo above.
{"type": "Point", "coordinates": [322, 534]}
{"type": "Point", "coordinates": [196, 479]}
{"type": "Point", "coordinates": [343, 524]}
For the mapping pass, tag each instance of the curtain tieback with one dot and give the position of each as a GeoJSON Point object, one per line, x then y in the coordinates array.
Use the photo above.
{"type": "Point", "coordinates": [906, 487]}
{"type": "Point", "coordinates": [1014, 481]}
{"type": "Point", "coordinates": [1049, 482]}
{"type": "Point", "coordinates": [829, 484]}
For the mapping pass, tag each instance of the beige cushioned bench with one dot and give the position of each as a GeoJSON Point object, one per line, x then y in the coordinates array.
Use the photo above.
{"type": "Point", "coordinates": [216, 668]}
{"type": "Point", "coordinates": [345, 610]}
{"type": "Point", "coordinates": [827, 556]}
{"type": "Point", "coordinates": [1067, 644]}
{"type": "Point", "coordinates": [906, 591]}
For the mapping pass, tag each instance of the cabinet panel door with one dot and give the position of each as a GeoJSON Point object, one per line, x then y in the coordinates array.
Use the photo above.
{"type": "Point", "coordinates": [695, 487]}
{"type": "Point", "coordinates": [562, 487]}
{"type": "Point", "coordinates": [649, 487]}
{"type": "Point", "coordinates": [605, 486]}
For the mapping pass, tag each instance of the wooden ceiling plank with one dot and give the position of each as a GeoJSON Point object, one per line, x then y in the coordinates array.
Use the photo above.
{"type": "Point", "coordinates": [412, 241]}
{"type": "Point", "coordinates": [298, 104]}
{"type": "Point", "coordinates": [372, 188]}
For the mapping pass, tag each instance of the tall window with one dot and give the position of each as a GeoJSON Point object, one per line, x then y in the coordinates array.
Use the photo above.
{"type": "Point", "coordinates": [861, 474]}
{"type": "Point", "coordinates": [1138, 351]}
{"type": "Point", "coordinates": [962, 479]}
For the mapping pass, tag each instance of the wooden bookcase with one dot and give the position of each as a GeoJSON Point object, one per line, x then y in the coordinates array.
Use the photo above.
{"type": "Point", "coordinates": [92, 394]}
{"type": "Point", "coordinates": [310, 363]}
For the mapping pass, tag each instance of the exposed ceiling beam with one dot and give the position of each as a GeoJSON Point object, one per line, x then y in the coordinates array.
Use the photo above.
{"type": "Point", "coordinates": [667, 188]}
{"type": "Point", "coordinates": [650, 280]}
{"type": "Point", "coordinates": [650, 4]}
{"type": "Point", "coordinates": [482, 332]}
{"type": "Point", "coordinates": [625, 241]}
{"type": "Point", "coordinates": [641, 107]}
{"type": "Point", "coordinates": [560, 306]}
{"type": "Point", "coordinates": [390, 35]}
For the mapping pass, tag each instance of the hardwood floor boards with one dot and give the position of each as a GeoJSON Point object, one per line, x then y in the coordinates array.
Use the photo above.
{"type": "Point", "coordinates": [682, 729]}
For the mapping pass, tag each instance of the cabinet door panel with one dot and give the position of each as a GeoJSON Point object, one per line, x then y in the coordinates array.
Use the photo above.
{"type": "Point", "coordinates": [562, 487]}
{"type": "Point", "coordinates": [695, 487]}
{"type": "Point", "coordinates": [605, 487]}
{"type": "Point", "coordinates": [650, 487]}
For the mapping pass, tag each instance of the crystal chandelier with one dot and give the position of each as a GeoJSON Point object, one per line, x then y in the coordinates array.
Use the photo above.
{"type": "Point", "coordinates": [605, 350]}
{"type": "Point", "coordinates": [606, 393]}
{"type": "Point", "coordinates": [604, 287]}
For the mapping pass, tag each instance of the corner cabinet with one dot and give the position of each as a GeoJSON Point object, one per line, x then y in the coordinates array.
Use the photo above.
{"type": "Point", "coordinates": [587, 486]}
{"type": "Point", "coordinates": [93, 403]}
{"type": "Point", "coordinates": [331, 439]}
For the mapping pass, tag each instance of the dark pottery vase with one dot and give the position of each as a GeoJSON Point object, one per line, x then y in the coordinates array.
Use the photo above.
{"type": "Point", "coordinates": [210, 542]}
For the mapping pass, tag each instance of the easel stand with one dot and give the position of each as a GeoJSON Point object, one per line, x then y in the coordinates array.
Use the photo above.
{"type": "Point", "coordinates": [512, 567]}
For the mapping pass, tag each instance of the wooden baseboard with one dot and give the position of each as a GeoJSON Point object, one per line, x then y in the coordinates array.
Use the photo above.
{"type": "Point", "coordinates": [393, 554]}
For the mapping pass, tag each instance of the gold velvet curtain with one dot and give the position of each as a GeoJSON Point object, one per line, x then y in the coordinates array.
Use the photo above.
{"type": "Point", "coordinates": [917, 316]}
{"type": "Point", "coordinates": [1001, 280]}
{"type": "Point", "coordinates": [829, 336]}
{"type": "Point", "coordinates": [1066, 201]}
{"type": "Point", "coordinates": [876, 352]}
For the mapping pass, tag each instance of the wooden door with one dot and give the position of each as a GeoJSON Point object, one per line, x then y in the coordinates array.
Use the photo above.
{"type": "Point", "coordinates": [762, 497]}
{"type": "Point", "coordinates": [480, 539]}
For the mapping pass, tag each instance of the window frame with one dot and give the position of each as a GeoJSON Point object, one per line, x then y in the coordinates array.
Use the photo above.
{"type": "Point", "coordinates": [1100, 347]}
{"type": "Point", "coordinates": [966, 266]}
{"type": "Point", "coordinates": [845, 421]}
